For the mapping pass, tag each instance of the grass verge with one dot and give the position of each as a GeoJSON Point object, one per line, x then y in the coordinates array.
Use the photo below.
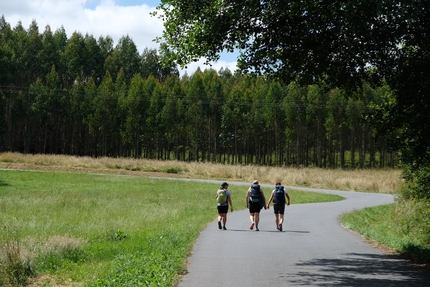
{"type": "Point", "coordinates": [403, 227]}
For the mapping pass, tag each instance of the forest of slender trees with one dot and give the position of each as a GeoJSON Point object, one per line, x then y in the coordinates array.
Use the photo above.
{"type": "Point", "coordinates": [82, 96]}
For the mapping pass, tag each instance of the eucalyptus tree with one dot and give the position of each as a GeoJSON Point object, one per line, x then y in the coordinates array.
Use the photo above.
{"type": "Point", "coordinates": [3, 117]}
{"type": "Point", "coordinates": [19, 45]}
{"type": "Point", "coordinates": [316, 114]}
{"type": "Point", "coordinates": [277, 121]}
{"type": "Point", "coordinates": [195, 120]}
{"type": "Point", "coordinates": [60, 40]}
{"type": "Point", "coordinates": [6, 53]}
{"type": "Point", "coordinates": [78, 130]}
{"type": "Point", "coordinates": [147, 135]}
{"type": "Point", "coordinates": [126, 56]}
{"type": "Point", "coordinates": [31, 57]}
{"type": "Point", "coordinates": [36, 129]}
{"type": "Point", "coordinates": [134, 106]}
{"type": "Point", "coordinates": [234, 124]}
{"type": "Point", "coordinates": [151, 64]}
{"type": "Point", "coordinates": [50, 54]}
{"type": "Point", "coordinates": [213, 109]}
{"type": "Point", "coordinates": [258, 121]}
{"type": "Point", "coordinates": [88, 107]}
{"type": "Point", "coordinates": [73, 60]}
{"type": "Point", "coordinates": [121, 93]}
{"type": "Point", "coordinates": [106, 46]}
{"type": "Point", "coordinates": [5, 75]}
{"type": "Point", "coordinates": [335, 126]}
{"type": "Point", "coordinates": [170, 119]}
{"type": "Point", "coordinates": [155, 130]}
{"type": "Point", "coordinates": [105, 118]}
{"type": "Point", "coordinates": [296, 131]}
{"type": "Point", "coordinates": [94, 59]}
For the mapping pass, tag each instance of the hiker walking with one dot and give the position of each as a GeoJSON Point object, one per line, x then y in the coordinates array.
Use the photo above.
{"type": "Point", "coordinates": [279, 194]}
{"type": "Point", "coordinates": [223, 199]}
{"type": "Point", "coordinates": [255, 201]}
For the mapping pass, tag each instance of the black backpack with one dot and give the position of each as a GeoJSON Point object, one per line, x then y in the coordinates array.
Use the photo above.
{"type": "Point", "coordinates": [255, 193]}
{"type": "Point", "coordinates": [279, 194]}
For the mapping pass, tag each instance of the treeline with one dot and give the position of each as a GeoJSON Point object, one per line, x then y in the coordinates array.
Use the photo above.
{"type": "Point", "coordinates": [82, 96]}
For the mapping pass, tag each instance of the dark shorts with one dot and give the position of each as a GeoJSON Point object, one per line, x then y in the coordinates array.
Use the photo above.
{"type": "Point", "coordinates": [222, 209]}
{"type": "Point", "coordinates": [279, 208]}
{"type": "Point", "coordinates": [254, 207]}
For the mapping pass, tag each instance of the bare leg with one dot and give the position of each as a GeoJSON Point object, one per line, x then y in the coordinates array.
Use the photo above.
{"type": "Point", "coordinates": [277, 220]}
{"type": "Point", "coordinates": [281, 220]}
{"type": "Point", "coordinates": [251, 217]}
{"type": "Point", "coordinates": [257, 220]}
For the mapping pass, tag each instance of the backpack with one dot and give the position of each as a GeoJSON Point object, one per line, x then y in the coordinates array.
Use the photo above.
{"type": "Point", "coordinates": [279, 194]}
{"type": "Point", "coordinates": [255, 193]}
{"type": "Point", "coordinates": [222, 196]}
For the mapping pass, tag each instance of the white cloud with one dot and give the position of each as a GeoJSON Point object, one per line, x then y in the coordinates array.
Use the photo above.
{"type": "Point", "coordinates": [104, 18]}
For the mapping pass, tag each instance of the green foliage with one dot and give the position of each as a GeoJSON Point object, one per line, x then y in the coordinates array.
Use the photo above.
{"type": "Point", "coordinates": [417, 182]}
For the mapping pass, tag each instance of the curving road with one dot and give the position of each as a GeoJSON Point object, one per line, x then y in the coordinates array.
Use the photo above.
{"type": "Point", "coordinates": [313, 249]}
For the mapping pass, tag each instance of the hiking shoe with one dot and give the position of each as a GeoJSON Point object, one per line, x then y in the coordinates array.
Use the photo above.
{"type": "Point", "coordinates": [252, 226]}
{"type": "Point", "coordinates": [280, 227]}
{"type": "Point", "coordinates": [224, 228]}
{"type": "Point", "coordinates": [256, 229]}
{"type": "Point", "coordinates": [219, 225]}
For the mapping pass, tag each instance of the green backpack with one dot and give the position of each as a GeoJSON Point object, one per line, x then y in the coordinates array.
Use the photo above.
{"type": "Point", "coordinates": [222, 196]}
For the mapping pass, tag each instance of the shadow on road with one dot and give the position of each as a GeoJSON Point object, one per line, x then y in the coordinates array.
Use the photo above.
{"type": "Point", "coordinates": [355, 269]}
{"type": "Point", "coordinates": [274, 231]}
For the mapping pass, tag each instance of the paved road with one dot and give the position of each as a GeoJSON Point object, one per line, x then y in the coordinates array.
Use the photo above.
{"type": "Point", "coordinates": [313, 250]}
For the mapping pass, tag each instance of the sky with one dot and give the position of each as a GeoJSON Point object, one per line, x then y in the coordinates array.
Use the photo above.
{"type": "Point", "coordinates": [114, 18]}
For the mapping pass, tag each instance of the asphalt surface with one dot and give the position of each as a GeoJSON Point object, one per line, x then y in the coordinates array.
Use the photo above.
{"type": "Point", "coordinates": [313, 249]}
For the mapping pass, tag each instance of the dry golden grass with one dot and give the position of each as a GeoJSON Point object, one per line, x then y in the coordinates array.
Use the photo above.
{"type": "Point", "coordinates": [371, 180]}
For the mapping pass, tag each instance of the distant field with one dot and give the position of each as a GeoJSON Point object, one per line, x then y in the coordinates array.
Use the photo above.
{"type": "Point", "coordinates": [369, 180]}
{"type": "Point", "coordinates": [76, 229]}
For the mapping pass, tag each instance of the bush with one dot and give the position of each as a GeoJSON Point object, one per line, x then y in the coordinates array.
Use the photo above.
{"type": "Point", "coordinates": [417, 182]}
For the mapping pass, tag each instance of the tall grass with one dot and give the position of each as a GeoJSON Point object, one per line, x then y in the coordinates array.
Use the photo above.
{"type": "Point", "coordinates": [369, 180]}
{"type": "Point", "coordinates": [105, 230]}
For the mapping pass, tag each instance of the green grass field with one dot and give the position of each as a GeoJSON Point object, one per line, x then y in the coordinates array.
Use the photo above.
{"type": "Point", "coordinates": [80, 229]}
